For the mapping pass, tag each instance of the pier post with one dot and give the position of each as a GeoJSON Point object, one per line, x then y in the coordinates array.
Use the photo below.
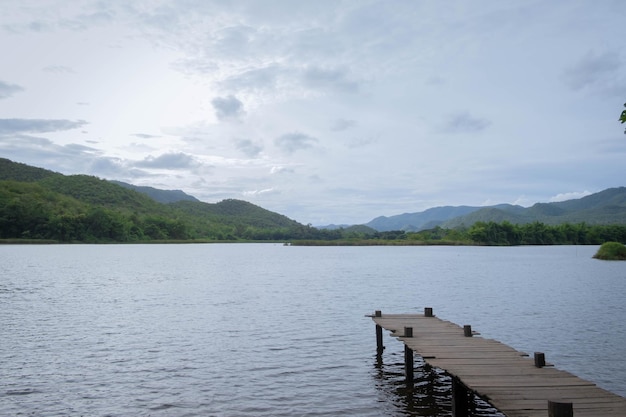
{"type": "Point", "coordinates": [379, 340]}
{"type": "Point", "coordinates": [559, 409]}
{"type": "Point", "coordinates": [408, 332]}
{"type": "Point", "coordinates": [408, 357]}
{"type": "Point", "coordinates": [460, 399]}
{"type": "Point", "coordinates": [428, 311]}
{"type": "Point", "coordinates": [467, 330]}
{"type": "Point", "coordinates": [540, 359]}
{"type": "Point", "coordinates": [408, 365]}
{"type": "Point", "coordinates": [379, 335]}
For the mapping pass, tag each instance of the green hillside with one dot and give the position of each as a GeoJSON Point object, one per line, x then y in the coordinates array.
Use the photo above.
{"type": "Point", "coordinates": [603, 208]}
{"type": "Point", "coordinates": [16, 171]}
{"type": "Point", "coordinates": [40, 204]}
{"type": "Point", "coordinates": [161, 196]}
{"type": "Point", "coordinates": [44, 205]}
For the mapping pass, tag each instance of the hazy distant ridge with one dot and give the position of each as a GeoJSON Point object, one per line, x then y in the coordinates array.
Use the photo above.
{"type": "Point", "coordinates": [162, 196]}
{"type": "Point", "coordinates": [604, 207]}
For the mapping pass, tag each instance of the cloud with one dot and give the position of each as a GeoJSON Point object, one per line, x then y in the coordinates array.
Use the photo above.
{"type": "Point", "coordinates": [465, 123]}
{"type": "Point", "coordinates": [328, 79]}
{"type": "Point", "coordinates": [281, 170]}
{"type": "Point", "coordinates": [292, 142]}
{"type": "Point", "coordinates": [145, 136]}
{"type": "Point", "coordinates": [342, 124]}
{"type": "Point", "coordinates": [81, 149]}
{"type": "Point", "coordinates": [111, 167]}
{"type": "Point", "coordinates": [259, 192]}
{"type": "Point", "coordinates": [15, 126]}
{"type": "Point", "coordinates": [86, 21]}
{"type": "Point", "coordinates": [249, 148]}
{"type": "Point", "coordinates": [58, 69]}
{"type": "Point", "coordinates": [7, 90]}
{"type": "Point", "coordinates": [292, 77]}
{"type": "Point", "coordinates": [227, 108]}
{"type": "Point", "coordinates": [569, 196]}
{"type": "Point", "coordinates": [593, 71]}
{"type": "Point", "coordinates": [168, 161]}
{"type": "Point", "coordinates": [234, 40]}
{"type": "Point", "coordinates": [69, 159]}
{"type": "Point", "coordinates": [261, 78]}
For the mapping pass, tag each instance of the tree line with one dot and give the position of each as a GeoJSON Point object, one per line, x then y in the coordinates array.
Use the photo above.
{"type": "Point", "coordinates": [35, 211]}
{"type": "Point", "coordinates": [535, 233]}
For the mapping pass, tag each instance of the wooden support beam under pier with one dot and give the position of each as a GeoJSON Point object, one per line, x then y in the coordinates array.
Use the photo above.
{"type": "Point", "coordinates": [512, 382]}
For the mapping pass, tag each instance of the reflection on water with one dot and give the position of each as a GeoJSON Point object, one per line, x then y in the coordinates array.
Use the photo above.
{"type": "Point", "coordinates": [430, 394]}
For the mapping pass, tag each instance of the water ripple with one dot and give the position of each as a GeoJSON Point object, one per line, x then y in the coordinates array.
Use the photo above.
{"type": "Point", "coordinates": [265, 330]}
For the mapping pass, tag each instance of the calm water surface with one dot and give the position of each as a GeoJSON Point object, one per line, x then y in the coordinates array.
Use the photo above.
{"type": "Point", "coordinates": [270, 330]}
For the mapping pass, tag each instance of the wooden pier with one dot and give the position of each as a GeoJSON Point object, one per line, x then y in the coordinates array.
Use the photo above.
{"type": "Point", "coordinates": [514, 383]}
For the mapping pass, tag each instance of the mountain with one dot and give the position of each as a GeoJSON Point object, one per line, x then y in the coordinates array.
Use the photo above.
{"type": "Point", "coordinates": [604, 207]}
{"type": "Point", "coordinates": [420, 221]}
{"type": "Point", "coordinates": [231, 211]}
{"type": "Point", "coordinates": [16, 171]}
{"type": "Point", "coordinates": [162, 196]}
{"type": "Point", "coordinates": [39, 204]}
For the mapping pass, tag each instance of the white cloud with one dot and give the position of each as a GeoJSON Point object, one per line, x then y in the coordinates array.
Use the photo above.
{"type": "Point", "coordinates": [249, 147]}
{"type": "Point", "coordinates": [227, 108]}
{"type": "Point", "coordinates": [7, 90]}
{"type": "Point", "coordinates": [281, 170]}
{"type": "Point", "coordinates": [317, 78]}
{"type": "Point", "coordinates": [339, 125]}
{"type": "Point", "coordinates": [595, 71]}
{"type": "Point", "coordinates": [175, 160]}
{"type": "Point", "coordinates": [463, 122]}
{"type": "Point", "coordinates": [16, 126]}
{"type": "Point", "coordinates": [292, 142]}
{"type": "Point", "coordinates": [58, 69]}
{"type": "Point", "coordinates": [569, 196]}
{"type": "Point", "coordinates": [145, 135]}
{"type": "Point", "coordinates": [350, 109]}
{"type": "Point", "coordinates": [259, 192]}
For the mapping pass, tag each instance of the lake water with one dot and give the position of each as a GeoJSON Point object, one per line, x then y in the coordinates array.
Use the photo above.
{"type": "Point", "coordinates": [272, 330]}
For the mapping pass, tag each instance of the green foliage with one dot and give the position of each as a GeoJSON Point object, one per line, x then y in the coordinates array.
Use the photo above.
{"type": "Point", "coordinates": [604, 207]}
{"type": "Point", "coordinates": [611, 251]}
{"type": "Point", "coordinates": [81, 208]}
{"type": "Point", "coordinates": [161, 196]}
{"type": "Point", "coordinates": [43, 205]}
{"type": "Point", "coordinates": [15, 171]}
{"type": "Point", "coordinates": [541, 234]}
{"type": "Point", "coordinates": [98, 192]}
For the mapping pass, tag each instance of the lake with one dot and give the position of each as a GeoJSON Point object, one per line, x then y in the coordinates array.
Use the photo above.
{"type": "Point", "coordinates": [273, 330]}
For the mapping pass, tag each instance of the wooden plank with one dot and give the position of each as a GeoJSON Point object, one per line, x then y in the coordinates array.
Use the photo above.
{"type": "Point", "coordinates": [507, 378]}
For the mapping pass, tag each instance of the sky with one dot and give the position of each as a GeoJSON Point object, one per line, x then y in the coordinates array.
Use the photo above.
{"type": "Point", "coordinates": [326, 111]}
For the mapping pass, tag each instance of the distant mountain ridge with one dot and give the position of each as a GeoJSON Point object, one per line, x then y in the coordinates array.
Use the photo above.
{"type": "Point", "coordinates": [162, 196]}
{"type": "Point", "coordinates": [428, 219]}
{"type": "Point", "coordinates": [604, 207]}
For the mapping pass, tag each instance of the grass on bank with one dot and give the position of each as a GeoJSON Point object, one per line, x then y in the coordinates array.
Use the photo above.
{"type": "Point", "coordinates": [611, 251]}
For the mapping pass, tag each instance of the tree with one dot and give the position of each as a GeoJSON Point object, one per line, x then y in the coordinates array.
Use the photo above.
{"type": "Point", "coordinates": [622, 118]}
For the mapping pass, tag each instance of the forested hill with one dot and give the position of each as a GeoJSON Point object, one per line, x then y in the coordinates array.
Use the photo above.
{"type": "Point", "coordinates": [16, 171]}
{"type": "Point", "coordinates": [162, 196]}
{"type": "Point", "coordinates": [602, 208]}
{"type": "Point", "coordinates": [39, 204]}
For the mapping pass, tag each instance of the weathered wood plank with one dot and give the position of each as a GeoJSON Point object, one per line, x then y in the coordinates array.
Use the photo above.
{"type": "Point", "coordinates": [504, 376]}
